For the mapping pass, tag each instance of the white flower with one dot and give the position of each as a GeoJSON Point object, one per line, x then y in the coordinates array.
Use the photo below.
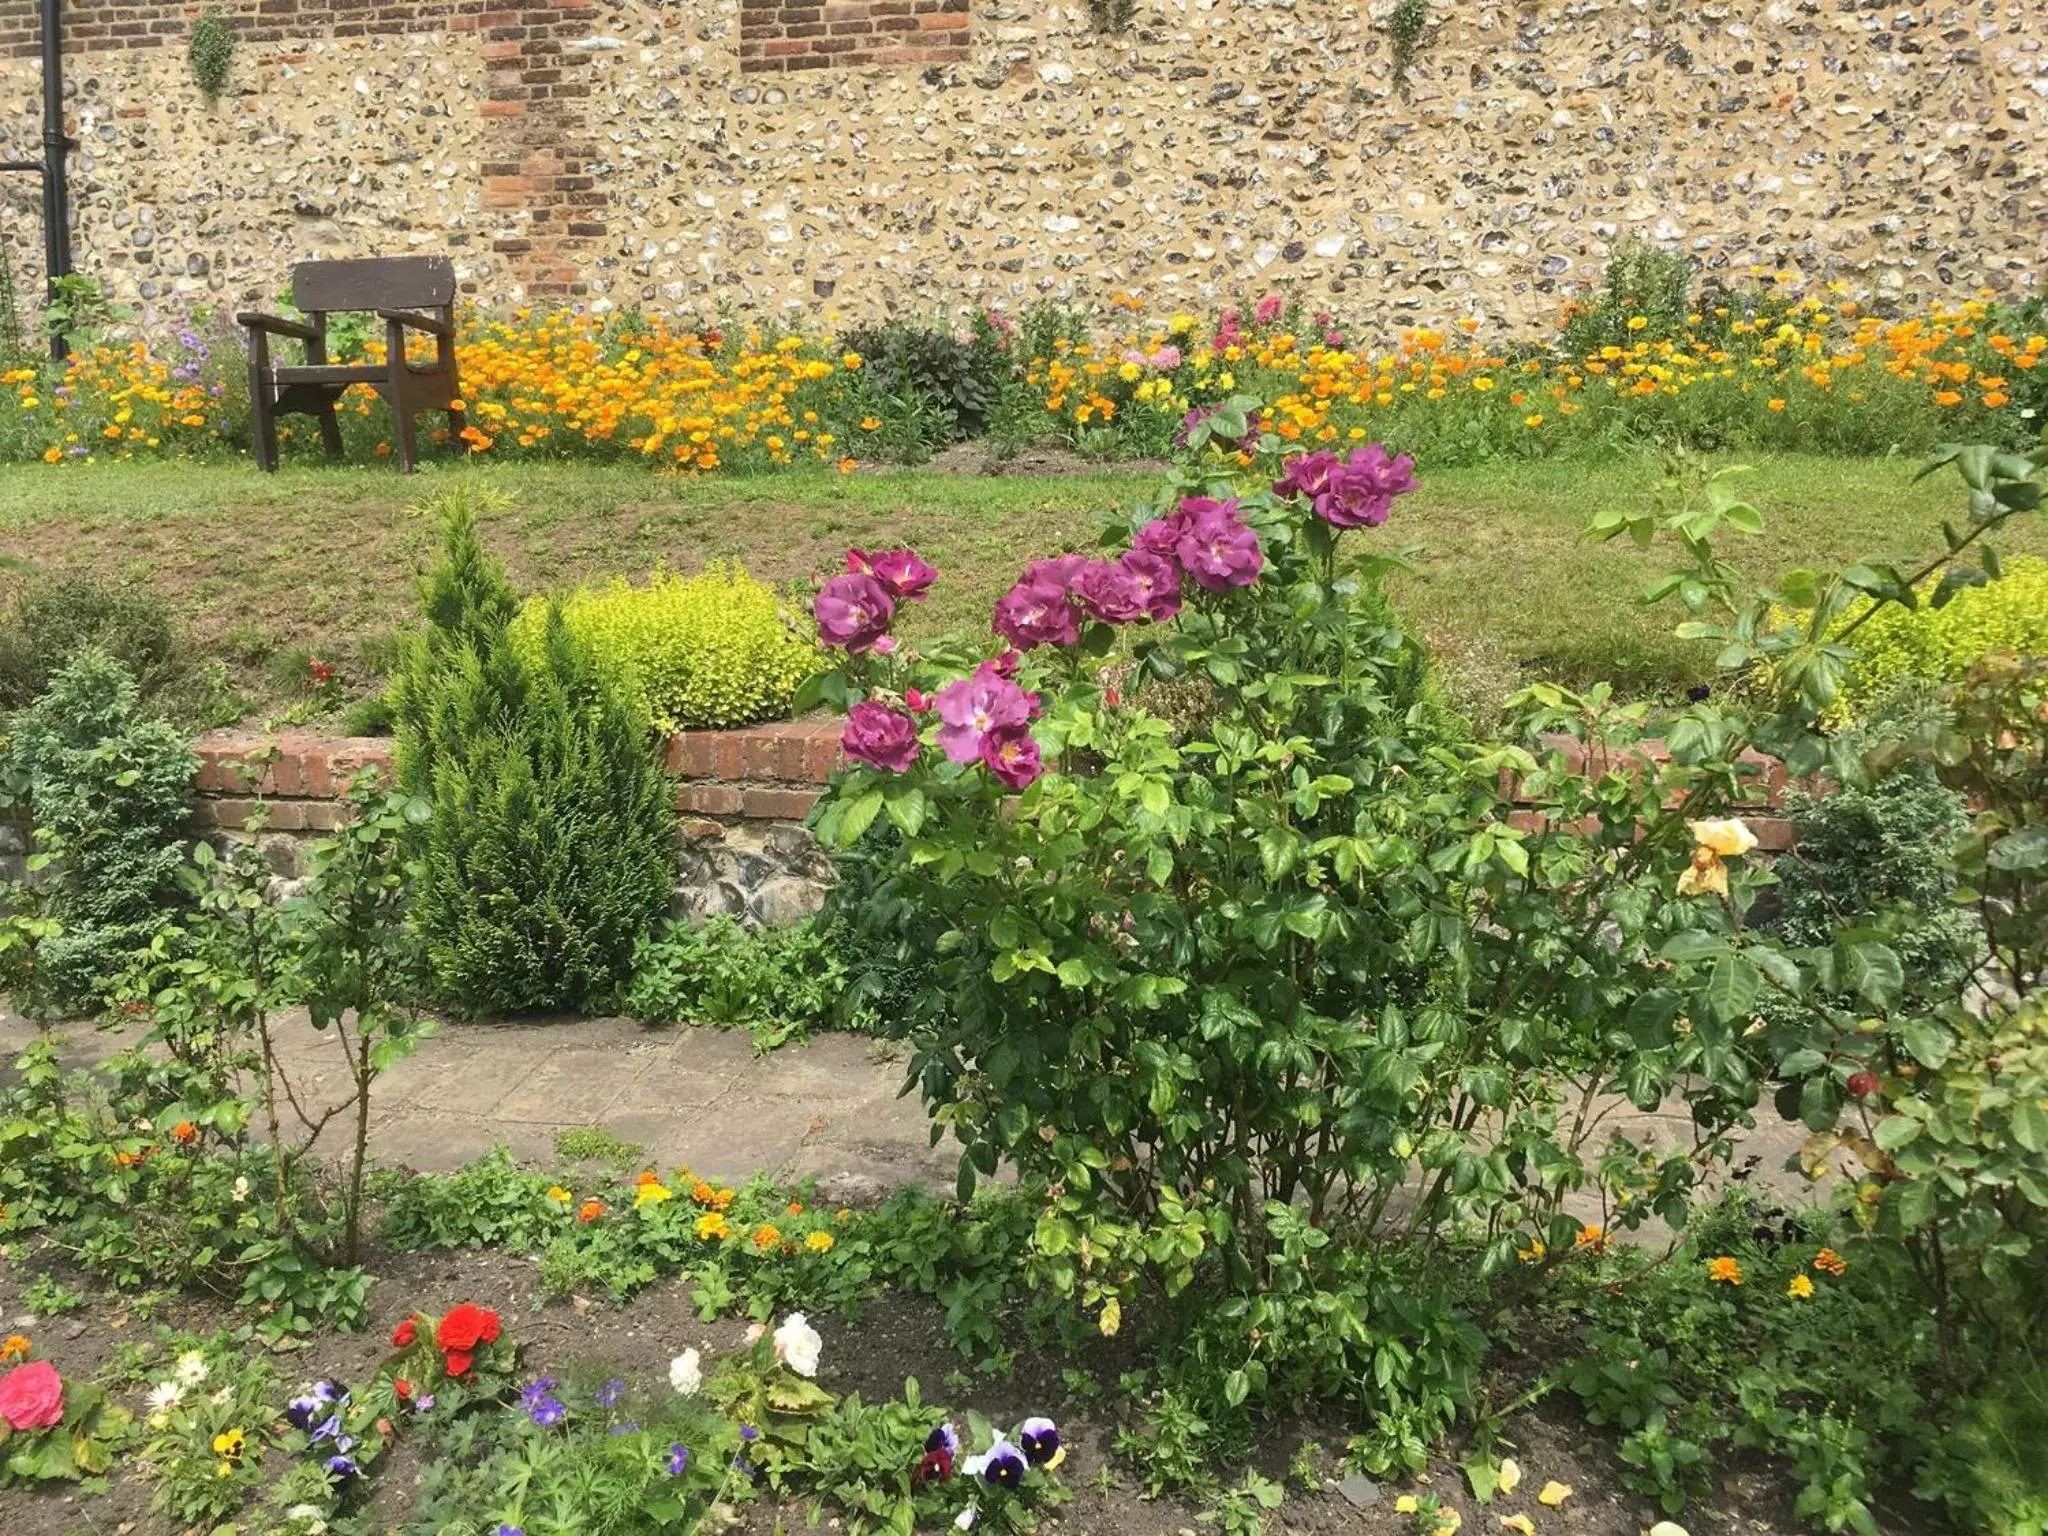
{"type": "Point", "coordinates": [224, 1395]}
{"type": "Point", "coordinates": [754, 1332]}
{"type": "Point", "coordinates": [686, 1373]}
{"type": "Point", "coordinates": [797, 1345]}
{"type": "Point", "coordinates": [964, 1521]}
{"type": "Point", "coordinates": [316, 1523]}
{"type": "Point", "coordinates": [242, 1191]}
{"type": "Point", "coordinates": [191, 1368]}
{"type": "Point", "coordinates": [165, 1396]}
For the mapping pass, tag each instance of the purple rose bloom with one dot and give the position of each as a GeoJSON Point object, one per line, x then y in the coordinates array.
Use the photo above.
{"type": "Point", "coordinates": [1055, 571]}
{"type": "Point", "coordinates": [1006, 665]}
{"type": "Point", "coordinates": [1360, 492]}
{"type": "Point", "coordinates": [1012, 755]}
{"type": "Point", "coordinates": [1109, 592]}
{"type": "Point", "coordinates": [1034, 613]}
{"type": "Point", "coordinates": [1161, 536]}
{"type": "Point", "coordinates": [1219, 551]}
{"type": "Point", "coordinates": [973, 706]}
{"type": "Point", "coordinates": [853, 610]}
{"type": "Point", "coordinates": [899, 570]}
{"type": "Point", "coordinates": [877, 734]}
{"type": "Point", "coordinates": [1306, 474]}
{"type": "Point", "coordinates": [1157, 578]}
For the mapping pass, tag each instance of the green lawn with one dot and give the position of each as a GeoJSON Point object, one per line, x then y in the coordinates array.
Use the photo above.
{"type": "Point", "coordinates": [324, 559]}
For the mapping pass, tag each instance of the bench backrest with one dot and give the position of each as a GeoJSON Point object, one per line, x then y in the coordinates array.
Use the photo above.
{"type": "Point", "coordinates": [378, 282]}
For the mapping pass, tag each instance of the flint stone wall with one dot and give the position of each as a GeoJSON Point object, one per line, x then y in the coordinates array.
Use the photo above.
{"type": "Point", "coordinates": [742, 154]}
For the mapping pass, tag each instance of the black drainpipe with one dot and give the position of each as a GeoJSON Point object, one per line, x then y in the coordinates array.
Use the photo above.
{"type": "Point", "coordinates": [56, 186]}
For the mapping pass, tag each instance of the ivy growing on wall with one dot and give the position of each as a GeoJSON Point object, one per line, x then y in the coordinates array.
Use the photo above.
{"type": "Point", "coordinates": [1111, 15]}
{"type": "Point", "coordinates": [211, 51]}
{"type": "Point", "coordinates": [1405, 25]}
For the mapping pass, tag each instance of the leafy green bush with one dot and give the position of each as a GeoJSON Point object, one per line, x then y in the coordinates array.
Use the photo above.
{"type": "Point", "coordinates": [1941, 644]}
{"type": "Point", "coordinates": [551, 847]}
{"type": "Point", "coordinates": [962, 379]}
{"type": "Point", "coordinates": [1643, 283]}
{"type": "Point", "coordinates": [108, 792]}
{"type": "Point", "coordinates": [688, 652]}
{"type": "Point", "coordinates": [51, 621]}
{"type": "Point", "coordinates": [781, 983]}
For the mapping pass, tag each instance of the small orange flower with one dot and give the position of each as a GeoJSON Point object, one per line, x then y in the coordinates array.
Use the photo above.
{"type": "Point", "coordinates": [722, 1201]}
{"type": "Point", "coordinates": [795, 1207]}
{"type": "Point", "coordinates": [766, 1237]}
{"type": "Point", "coordinates": [701, 1193]}
{"type": "Point", "coordinates": [1777, 404]}
{"type": "Point", "coordinates": [589, 1211]}
{"type": "Point", "coordinates": [184, 1133]}
{"type": "Point", "coordinates": [1725, 1270]}
{"type": "Point", "coordinates": [1829, 1262]}
{"type": "Point", "coordinates": [1593, 1237]}
{"type": "Point", "coordinates": [647, 1176]}
{"type": "Point", "coordinates": [14, 1347]}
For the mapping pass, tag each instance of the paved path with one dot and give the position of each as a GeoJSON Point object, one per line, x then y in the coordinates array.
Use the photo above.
{"type": "Point", "coordinates": [700, 1097]}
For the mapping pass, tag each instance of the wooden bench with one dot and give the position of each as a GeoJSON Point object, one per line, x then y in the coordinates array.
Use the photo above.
{"type": "Point", "coordinates": [409, 293]}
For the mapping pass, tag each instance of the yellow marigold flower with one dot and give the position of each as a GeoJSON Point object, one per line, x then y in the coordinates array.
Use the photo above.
{"type": "Point", "coordinates": [1829, 1262]}
{"type": "Point", "coordinates": [711, 1227]}
{"type": "Point", "coordinates": [1776, 404]}
{"type": "Point", "coordinates": [51, 455]}
{"type": "Point", "coordinates": [850, 361]}
{"type": "Point", "coordinates": [1637, 323]}
{"type": "Point", "coordinates": [1532, 422]}
{"type": "Point", "coordinates": [650, 1193]}
{"type": "Point", "coordinates": [722, 1201]}
{"type": "Point", "coordinates": [1799, 1287]}
{"type": "Point", "coordinates": [766, 1236]}
{"type": "Point", "coordinates": [1724, 1270]}
{"type": "Point", "coordinates": [819, 1242]}
{"type": "Point", "coordinates": [559, 1195]}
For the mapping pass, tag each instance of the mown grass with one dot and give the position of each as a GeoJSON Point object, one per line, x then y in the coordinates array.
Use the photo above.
{"type": "Point", "coordinates": [326, 560]}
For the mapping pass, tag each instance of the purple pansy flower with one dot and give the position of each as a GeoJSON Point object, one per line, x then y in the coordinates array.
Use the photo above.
{"type": "Point", "coordinates": [877, 734]}
{"type": "Point", "coordinates": [973, 706]}
{"type": "Point", "coordinates": [343, 1469]}
{"type": "Point", "coordinates": [678, 1459]}
{"type": "Point", "coordinates": [854, 611]}
{"type": "Point", "coordinates": [1003, 1465]}
{"type": "Point", "coordinates": [1040, 1439]}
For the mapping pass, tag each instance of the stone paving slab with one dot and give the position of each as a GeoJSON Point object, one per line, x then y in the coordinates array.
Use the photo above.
{"type": "Point", "coordinates": [830, 1109]}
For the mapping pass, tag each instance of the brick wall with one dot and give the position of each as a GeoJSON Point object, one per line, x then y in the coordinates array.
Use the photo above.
{"type": "Point", "coordinates": [778, 36]}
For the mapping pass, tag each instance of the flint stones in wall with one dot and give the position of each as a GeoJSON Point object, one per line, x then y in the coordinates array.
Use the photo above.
{"type": "Point", "coordinates": [765, 873]}
{"type": "Point", "coordinates": [1212, 149]}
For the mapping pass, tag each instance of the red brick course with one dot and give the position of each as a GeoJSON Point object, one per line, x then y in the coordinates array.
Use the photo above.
{"type": "Point", "coordinates": [778, 36]}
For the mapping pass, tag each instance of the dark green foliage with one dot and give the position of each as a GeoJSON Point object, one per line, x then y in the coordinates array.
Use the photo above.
{"type": "Point", "coordinates": [963, 379]}
{"type": "Point", "coordinates": [551, 846]}
{"type": "Point", "coordinates": [106, 788]}
{"type": "Point", "coordinates": [1644, 282]}
{"type": "Point", "coordinates": [1405, 25]}
{"type": "Point", "coordinates": [781, 983]}
{"type": "Point", "coordinates": [51, 621]}
{"type": "Point", "coordinates": [211, 51]}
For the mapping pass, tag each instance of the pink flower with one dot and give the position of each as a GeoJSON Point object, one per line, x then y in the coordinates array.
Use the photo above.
{"type": "Point", "coordinates": [877, 734]}
{"type": "Point", "coordinates": [1333, 338]}
{"type": "Point", "coordinates": [973, 706]}
{"type": "Point", "coordinates": [1217, 549]}
{"type": "Point", "coordinates": [853, 610]}
{"type": "Point", "coordinates": [917, 699]}
{"type": "Point", "coordinates": [1037, 612]}
{"type": "Point", "coordinates": [1360, 492]}
{"type": "Point", "coordinates": [1006, 665]}
{"type": "Point", "coordinates": [1012, 755]}
{"type": "Point", "coordinates": [1056, 570]}
{"type": "Point", "coordinates": [32, 1396]}
{"type": "Point", "coordinates": [1306, 474]}
{"type": "Point", "coordinates": [1166, 359]}
{"type": "Point", "coordinates": [1157, 578]}
{"type": "Point", "coordinates": [1109, 593]}
{"type": "Point", "coordinates": [1161, 536]}
{"type": "Point", "coordinates": [885, 645]}
{"type": "Point", "coordinates": [900, 571]}
{"type": "Point", "coordinates": [1269, 309]}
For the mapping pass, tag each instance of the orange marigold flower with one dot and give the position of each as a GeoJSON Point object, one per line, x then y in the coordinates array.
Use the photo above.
{"type": "Point", "coordinates": [184, 1133]}
{"type": "Point", "coordinates": [1829, 1262]}
{"type": "Point", "coordinates": [14, 1347]}
{"type": "Point", "coordinates": [1725, 1270]}
{"type": "Point", "coordinates": [589, 1211]}
{"type": "Point", "coordinates": [766, 1237]}
{"type": "Point", "coordinates": [795, 1207]}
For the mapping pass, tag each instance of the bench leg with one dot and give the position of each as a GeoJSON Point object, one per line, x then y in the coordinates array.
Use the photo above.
{"type": "Point", "coordinates": [262, 423]}
{"type": "Point", "coordinates": [330, 431]}
{"type": "Point", "coordinates": [402, 437]}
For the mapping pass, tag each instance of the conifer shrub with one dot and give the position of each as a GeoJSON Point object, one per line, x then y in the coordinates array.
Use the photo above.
{"type": "Point", "coordinates": [551, 846]}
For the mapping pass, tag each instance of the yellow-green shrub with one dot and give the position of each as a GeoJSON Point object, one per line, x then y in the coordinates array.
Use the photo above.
{"type": "Point", "coordinates": [690, 652]}
{"type": "Point", "coordinates": [1941, 644]}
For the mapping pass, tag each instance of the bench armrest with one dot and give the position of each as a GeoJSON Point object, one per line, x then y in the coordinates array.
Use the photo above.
{"type": "Point", "coordinates": [418, 322]}
{"type": "Point", "coordinates": [277, 325]}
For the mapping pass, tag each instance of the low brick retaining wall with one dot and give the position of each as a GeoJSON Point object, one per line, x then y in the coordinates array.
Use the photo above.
{"type": "Point", "coordinates": [741, 798]}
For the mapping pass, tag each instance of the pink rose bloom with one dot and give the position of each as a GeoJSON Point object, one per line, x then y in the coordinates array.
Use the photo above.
{"type": "Point", "coordinates": [1157, 578]}
{"type": "Point", "coordinates": [1109, 593]}
{"type": "Point", "coordinates": [1006, 665]}
{"type": "Point", "coordinates": [1055, 570]}
{"type": "Point", "coordinates": [900, 571]}
{"type": "Point", "coordinates": [1037, 612]}
{"type": "Point", "coordinates": [877, 734]}
{"type": "Point", "coordinates": [1161, 536]}
{"type": "Point", "coordinates": [1011, 755]}
{"type": "Point", "coordinates": [1306, 474]}
{"type": "Point", "coordinates": [1360, 492]}
{"type": "Point", "coordinates": [973, 706]}
{"type": "Point", "coordinates": [1219, 551]}
{"type": "Point", "coordinates": [853, 610]}
{"type": "Point", "coordinates": [32, 1396]}
{"type": "Point", "coordinates": [1269, 309]}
